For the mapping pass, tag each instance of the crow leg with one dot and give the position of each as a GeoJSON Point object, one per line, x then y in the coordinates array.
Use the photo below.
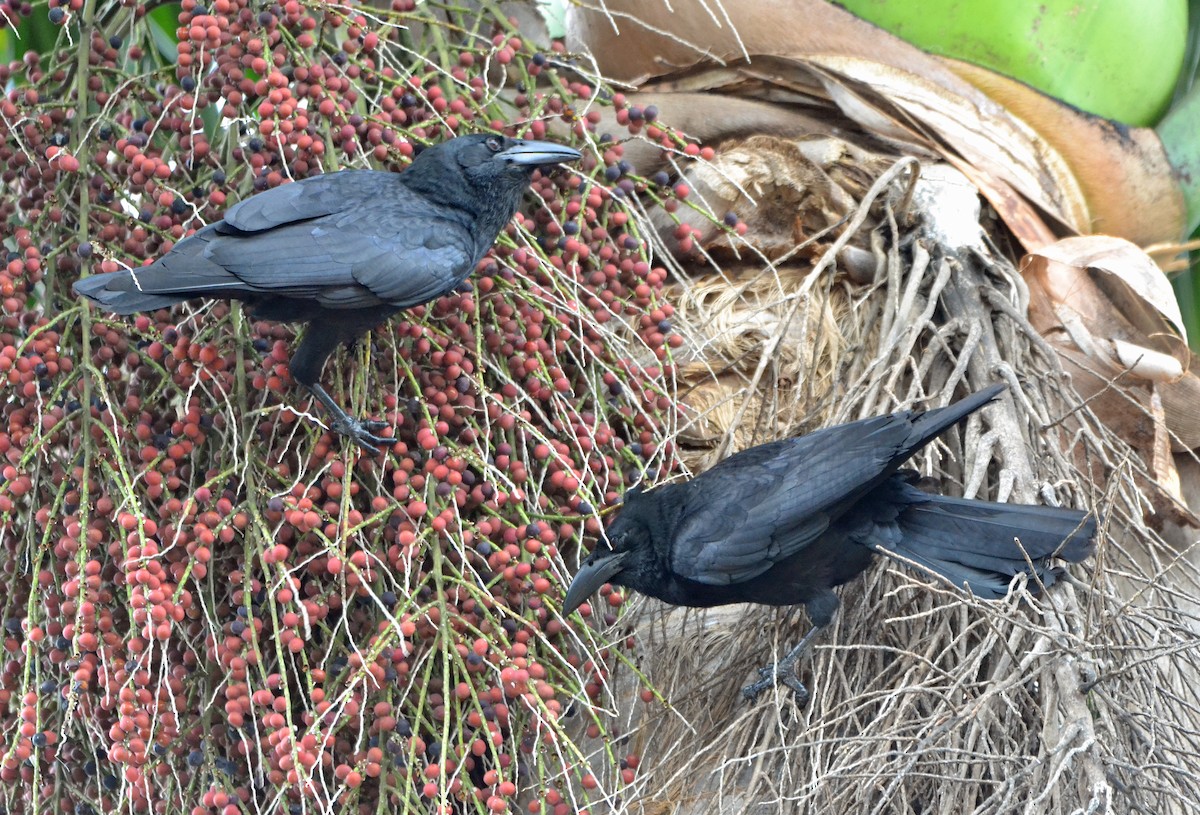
{"type": "Point", "coordinates": [320, 339]}
{"type": "Point", "coordinates": [820, 610]}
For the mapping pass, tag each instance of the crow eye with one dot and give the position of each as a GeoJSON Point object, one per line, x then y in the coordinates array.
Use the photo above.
{"type": "Point", "coordinates": [494, 144]}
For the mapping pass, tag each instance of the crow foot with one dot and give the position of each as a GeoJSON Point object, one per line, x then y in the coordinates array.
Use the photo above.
{"type": "Point", "coordinates": [363, 432]}
{"type": "Point", "coordinates": [783, 672]}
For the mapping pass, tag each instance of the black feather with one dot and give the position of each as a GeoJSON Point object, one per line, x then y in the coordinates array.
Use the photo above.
{"type": "Point", "coordinates": [786, 522]}
{"type": "Point", "coordinates": [344, 251]}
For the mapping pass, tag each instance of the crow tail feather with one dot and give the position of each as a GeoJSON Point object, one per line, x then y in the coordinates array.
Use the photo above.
{"type": "Point", "coordinates": [979, 544]}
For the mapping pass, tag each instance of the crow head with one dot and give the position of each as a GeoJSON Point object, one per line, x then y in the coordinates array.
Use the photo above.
{"type": "Point", "coordinates": [628, 556]}
{"type": "Point", "coordinates": [500, 167]}
{"type": "Point", "coordinates": [483, 175]}
{"type": "Point", "coordinates": [489, 154]}
{"type": "Point", "coordinates": [487, 161]}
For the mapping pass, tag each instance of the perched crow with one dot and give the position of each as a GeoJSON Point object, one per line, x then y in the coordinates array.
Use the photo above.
{"type": "Point", "coordinates": [784, 523]}
{"type": "Point", "coordinates": [345, 251]}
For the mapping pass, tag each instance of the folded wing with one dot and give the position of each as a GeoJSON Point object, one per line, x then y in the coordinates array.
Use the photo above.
{"type": "Point", "coordinates": [786, 494]}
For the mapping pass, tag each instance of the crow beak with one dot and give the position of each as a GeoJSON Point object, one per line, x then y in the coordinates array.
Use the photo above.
{"type": "Point", "coordinates": [598, 569]}
{"type": "Point", "coordinates": [538, 153]}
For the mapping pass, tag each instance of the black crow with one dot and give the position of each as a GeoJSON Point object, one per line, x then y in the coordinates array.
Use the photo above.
{"type": "Point", "coordinates": [784, 523]}
{"type": "Point", "coordinates": [344, 251]}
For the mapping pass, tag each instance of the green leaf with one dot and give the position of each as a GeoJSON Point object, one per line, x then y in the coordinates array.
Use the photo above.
{"type": "Point", "coordinates": [1178, 133]}
{"type": "Point", "coordinates": [212, 122]}
{"type": "Point", "coordinates": [554, 12]}
{"type": "Point", "coordinates": [164, 22]}
{"type": "Point", "coordinates": [33, 33]}
{"type": "Point", "coordinates": [1187, 291]}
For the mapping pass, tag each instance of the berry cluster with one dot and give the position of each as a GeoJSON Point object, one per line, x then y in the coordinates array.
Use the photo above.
{"type": "Point", "coordinates": [207, 599]}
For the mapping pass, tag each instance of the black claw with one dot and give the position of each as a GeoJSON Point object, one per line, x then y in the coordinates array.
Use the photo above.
{"type": "Point", "coordinates": [779, 672]}
{"type": "Point", "coordinates": [364, 433]}
{"type": "Point", "coordinates": [797, 687]}
{"type": "Point", "coordinates": [784, 671]}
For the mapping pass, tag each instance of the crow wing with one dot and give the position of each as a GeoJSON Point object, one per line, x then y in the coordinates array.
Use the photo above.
{"type": "Point", "coordinates": [767, 503]}
{"type": "Point", "coordinates": [359, 259]}
{"type": "Point", "coordinates": [349, 240]}
{"type": "Point", "coordinates": [303, 200]}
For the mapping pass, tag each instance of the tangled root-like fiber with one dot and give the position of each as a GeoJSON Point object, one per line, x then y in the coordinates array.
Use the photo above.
{"type": "Point", "coordinates": [923, 700]}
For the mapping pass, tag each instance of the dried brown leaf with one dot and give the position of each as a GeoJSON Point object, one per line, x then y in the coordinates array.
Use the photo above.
{"type": "Point", "coordinates": [1123, 172]}
{"type": "Point", "coordinates": [1115, 290]}
{"type": "Point", "coordinates": [1041, 183]}
{"type": "Point", "coordinates": [1111, 313]}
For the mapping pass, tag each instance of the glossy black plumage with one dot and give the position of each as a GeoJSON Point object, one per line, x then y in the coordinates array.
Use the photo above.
{"type": "Point", "coordinates": [344, 251]}
{"type": "Point", "coordinates": [786, 522]}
